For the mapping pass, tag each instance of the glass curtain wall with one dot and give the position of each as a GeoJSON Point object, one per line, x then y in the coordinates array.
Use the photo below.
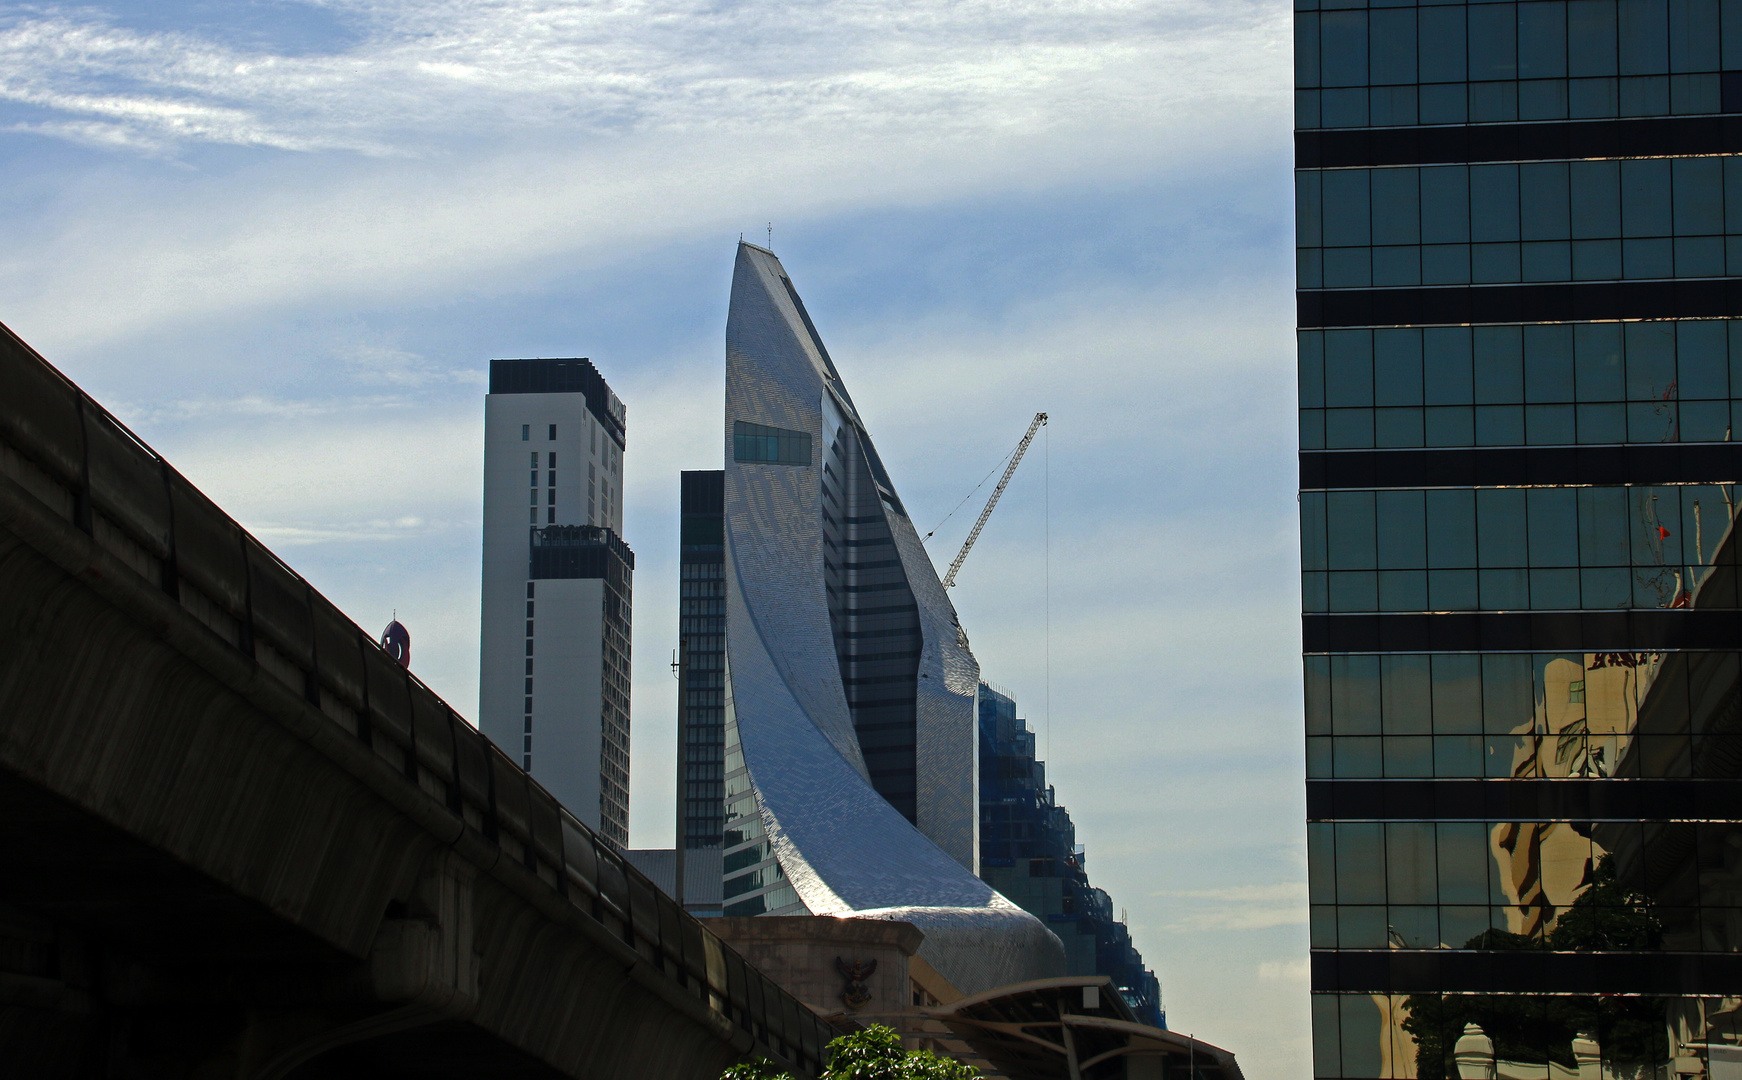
{"type": "Point", "coordinates": [1029, 853]}
{"type": "Point", "coordinates": [1520, 360]}
{"type": "Point", "coordinates": [702, 622]}
{"type": "Point", "coordinates": [755, 883]}
{"type": "Point", "coordinates": [875, 621]}
{"type": "Point", "coordinates": [720, 809]}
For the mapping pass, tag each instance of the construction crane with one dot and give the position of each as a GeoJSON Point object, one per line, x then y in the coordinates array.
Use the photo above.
{"type": "Point", "coordinates": [1003, 482]}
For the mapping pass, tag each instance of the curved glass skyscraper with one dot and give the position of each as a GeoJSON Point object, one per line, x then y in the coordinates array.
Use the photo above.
{"type": "Point", "coordinates": [850, 689]}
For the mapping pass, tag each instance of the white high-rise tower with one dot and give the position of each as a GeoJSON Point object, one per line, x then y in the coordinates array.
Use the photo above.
{"type": "Point", "coordinates": [553, 686]}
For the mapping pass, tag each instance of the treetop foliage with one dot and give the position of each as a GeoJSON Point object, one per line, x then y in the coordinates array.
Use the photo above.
{"type": "Point", "coordinates": [872, 1054]}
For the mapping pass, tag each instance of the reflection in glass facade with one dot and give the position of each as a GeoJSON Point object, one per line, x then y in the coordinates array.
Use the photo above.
{"type": "Point", "coordinates": [1544, 385]}
{"type": "Point", "coordinates": [1520, 358]}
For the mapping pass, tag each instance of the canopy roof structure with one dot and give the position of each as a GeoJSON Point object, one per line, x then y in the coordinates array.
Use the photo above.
{"type": "Point", "coordinates": [1076, 1028]}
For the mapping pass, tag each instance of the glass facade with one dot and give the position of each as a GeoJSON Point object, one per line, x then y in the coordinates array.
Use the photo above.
{"type": "Point", "coordinates": [770, 445]}
{"type": "Point", "coordinates": [702, 624]}
{"type": "Point", "coordinates": [720, 808]}
{"type": "Point", "coordinates": [1542, 221]}
{"type": "Point", "coordinates": [755, 883]}
{"type": "Point", "coordinates": [719, 802]}
{"type": "Point", "coordinates": [874, 617]}
{"type": "Point", "coordinates": [1543, 385]}
{"type": "Point", "coordinates": [1520, 297]}
{"type": "Point", "coordinates": [1431, 64]}
{"type": "Point", "coordinates": [1029, 853]}
{"type": "Point", "coordinates": [1512, 548]}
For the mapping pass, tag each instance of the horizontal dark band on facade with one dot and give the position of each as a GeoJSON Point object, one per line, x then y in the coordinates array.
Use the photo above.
{"type": "Point", "coordinates": [890, 755]}
{"type": "Point", "coordinates": [1507, 799]}
{"type": "Point", "coordinates": [872, 703]}
{"type": "Point", "coordinates": [892, 711]}
{"type": "Point", "coordinates": [1543, 141]}
{"type": "Point", "coordinates": [860, 612]}
{"type": "Point", "coordinates": [1511, 466]}
{"type": "Point", "coordinates": [893, 725]}
{"type": "Point", "coordinates": [1459, 971]}
{"type": "Point", "coordinates": [1457, 305]}
{"type": "Point", "coordinates": [1638, 630]}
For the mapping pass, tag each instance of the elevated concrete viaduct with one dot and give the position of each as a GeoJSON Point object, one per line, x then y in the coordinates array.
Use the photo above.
{"type": "Point", "coordinates": [237, 841]}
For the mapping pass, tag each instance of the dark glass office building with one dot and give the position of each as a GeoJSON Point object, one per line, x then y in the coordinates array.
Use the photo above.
{"type": "Point", "coordinates": [1520, 350]}
{"type": "Point", "coordinates": [1029, 853]}
{"type": "Point", "coordinates": [702, 624]}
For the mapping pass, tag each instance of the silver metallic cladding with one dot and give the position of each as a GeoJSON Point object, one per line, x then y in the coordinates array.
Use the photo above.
{"type": "Point", "coordinates": [844, 848]}
{"type": "Point", "coordinates": [774, 378]}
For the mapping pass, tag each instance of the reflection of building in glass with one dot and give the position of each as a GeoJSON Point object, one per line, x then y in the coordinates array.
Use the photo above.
{"type": "Point", "coordinates": [1520, 351]}
{"type": "Point", "coordinates": [849, 726]}
{"type": "Point", "coordinates": [1029, 852]}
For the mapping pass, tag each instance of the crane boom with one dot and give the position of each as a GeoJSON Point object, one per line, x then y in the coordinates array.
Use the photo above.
{"type": "Point", "coordinates": [1003, 482]}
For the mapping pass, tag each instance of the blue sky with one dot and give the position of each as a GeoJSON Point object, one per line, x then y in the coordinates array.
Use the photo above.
{"type": "Point", "coordinates": [281, 239]}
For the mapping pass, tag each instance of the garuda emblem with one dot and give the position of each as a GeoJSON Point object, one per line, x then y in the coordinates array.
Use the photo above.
{"type": "Point", "coordinates": [856, 995]}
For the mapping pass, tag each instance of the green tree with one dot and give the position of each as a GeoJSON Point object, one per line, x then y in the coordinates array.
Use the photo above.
{"type": "Point", "coordinates": [872, 1054]}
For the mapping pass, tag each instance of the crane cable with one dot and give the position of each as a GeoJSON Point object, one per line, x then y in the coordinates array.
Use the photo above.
{"type": "Point", "coordinates": [997, 492]}
{"type": "Point", "coordinates": [966, 497]}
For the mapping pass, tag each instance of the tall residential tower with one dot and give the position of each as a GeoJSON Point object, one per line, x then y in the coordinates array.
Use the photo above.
{"type": "Point", "coordinates": [1520, 350]}
{"type": "Point", "coordinates": [554, 674]}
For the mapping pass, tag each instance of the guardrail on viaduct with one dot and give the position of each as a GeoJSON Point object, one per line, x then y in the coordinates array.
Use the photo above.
{"type": "Point", "coordinates": [91, 471]}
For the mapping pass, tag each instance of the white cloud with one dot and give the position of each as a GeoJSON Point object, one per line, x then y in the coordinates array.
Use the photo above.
{"type": "Point", "coordinates": [365, 475]}
{"type": "Point", "coordinates": [1297, 972]}
{"type": "Point", "coordinates": [598, 126]}
{"type": "Point", "coordinates": [1288, 891]}
{"type": "Point", "coordinates": [170, 411]}
{"type": "Point", "coordinates": [1237, 907]}
{"type": "Point", "coordinates": [1240, 918]}
{"type": "Point", "coordinates": [417, 74]}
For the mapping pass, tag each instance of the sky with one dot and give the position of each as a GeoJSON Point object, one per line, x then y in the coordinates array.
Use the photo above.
{"type": "Point", "coordinates": [281, 239]}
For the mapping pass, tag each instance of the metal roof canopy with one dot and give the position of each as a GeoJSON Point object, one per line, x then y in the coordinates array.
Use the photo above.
{"type": "Point", "coordinates": [1077, 1028]}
